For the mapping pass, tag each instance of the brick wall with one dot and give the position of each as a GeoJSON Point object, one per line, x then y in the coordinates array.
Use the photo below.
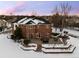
{"type": "Point", "coordinates": [36, 31]}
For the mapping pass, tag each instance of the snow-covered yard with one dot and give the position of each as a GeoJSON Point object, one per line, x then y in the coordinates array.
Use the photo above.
{"type": "Point", "coordinates": [74, 32]}
{"type": "Point", "coordinates": [8, 48]}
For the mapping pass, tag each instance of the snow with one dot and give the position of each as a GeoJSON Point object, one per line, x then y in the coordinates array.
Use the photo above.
{"type": "Point", "coordinates": [10, 49]}
{"type": "Point", "coordinates": [56, 45]}
{"type": "Point", "coordinates": [76, 33]}
{"type": "Point", "coordinates": [37, 21]}
{"type": "Point", "coordinates": [33, 47]}
{"type": "Point", "coordinates": [25, 20]}
{"type": "Point", "coordinates": [70, 31]}
{"type": "Point", "coordinates": [53, 30]}
{"type": "Point", "coordinates": [58, 50]}
{"type": "Point", "coordinates": [22, 20]}
{"type": "Point", "coordinates": [15, 25]}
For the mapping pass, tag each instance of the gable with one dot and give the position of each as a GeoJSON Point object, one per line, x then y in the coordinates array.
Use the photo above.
{"type": "Point", "coordinates": [33, 20]}
{"type": "Point", "coordinates": [30, 22]}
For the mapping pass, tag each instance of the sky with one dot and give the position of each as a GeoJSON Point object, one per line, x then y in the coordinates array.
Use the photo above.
{"type": "Point", "coordinates": [34, 7]}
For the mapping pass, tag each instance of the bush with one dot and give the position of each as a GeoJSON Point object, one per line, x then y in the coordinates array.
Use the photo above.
{"type": "Point", "coordinates": [45, 40]}
{"type": "Point", "coordinates": [12, 36]}
{"type": "Point", "coordinates": [18, 33]}
{"type": "Point", "coordinates": [1, 28]}
{"type": "Point", "coordinates": [55, 34]}
{"type": "Point", "coordinates": [55, 39]}
{"type": "Point", "coordinates": [26, 42]}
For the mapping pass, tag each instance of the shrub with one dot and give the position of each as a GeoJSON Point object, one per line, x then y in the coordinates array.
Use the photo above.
{"type": "Point", "coordinates": [18, 33]}
{"type": "Point", "coordinates": [56, 39]}
{"type": "Point", "coordinates": [55, 34]}
{"type": "Point", "coordinates": [45, 40]}
{"type": "Point", "coordinates": [26, 42]}
{"type": "Point", "coordinates": [1, 28]}
{"type": "Point", "coordinates": [12, 36]}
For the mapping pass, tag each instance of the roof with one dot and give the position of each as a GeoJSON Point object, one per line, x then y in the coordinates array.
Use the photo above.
{"type": "Point", "coordinates": [32, 20]}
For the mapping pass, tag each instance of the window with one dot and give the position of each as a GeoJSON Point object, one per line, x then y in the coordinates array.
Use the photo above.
{"type": "Point", "coordinates": [30, 27]}
{"type": "Point", "coordinates": [37, 26]}
{"type": "Point", "coordinates": [47, 26]}
{"type": "Point", "coordinates": [38, 35]}
{"type": "Point", "coordinates": [31, 35]}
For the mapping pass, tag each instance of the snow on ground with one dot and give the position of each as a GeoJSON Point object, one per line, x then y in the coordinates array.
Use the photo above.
{"type": "Point", "coordinates": [74, 32]}
{"type": "Point", "coordinates": [22, 20]}
{"type": "Point", "coordinates": [8, 48]}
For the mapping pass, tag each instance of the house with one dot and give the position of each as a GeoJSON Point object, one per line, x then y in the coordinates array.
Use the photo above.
{"type": "Point", "coordinates": [34, 27]}
{"type": "Point", "coordinates": [4, 24]}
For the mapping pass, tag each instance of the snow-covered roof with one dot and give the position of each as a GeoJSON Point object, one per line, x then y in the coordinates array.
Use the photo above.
{"type": "Point", "coordinates": [22, 20]}
{"type": "Point", "coordinates": [38, 21]}
{"type": "Point", "coordinates": [26, 21]}
{"type": "Point", "coordinates": [32, 21]}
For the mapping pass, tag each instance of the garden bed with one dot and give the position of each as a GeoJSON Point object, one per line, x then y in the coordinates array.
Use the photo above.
{"type": "Point", "coordinates": [69, 50]}
{"type": "Point", "coordinates": [56, 46]}
{"type": "Point", "coordinates": [29, 47]}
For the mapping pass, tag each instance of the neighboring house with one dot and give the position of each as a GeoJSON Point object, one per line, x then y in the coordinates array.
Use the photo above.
{"type": "Point", "coordinates": [34, 28]}
{"type": "Point", "coordinates": [2, 23]}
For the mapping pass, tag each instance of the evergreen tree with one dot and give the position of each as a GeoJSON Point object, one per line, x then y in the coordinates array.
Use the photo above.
{"type": "Point", "coordinates": [18, 33]}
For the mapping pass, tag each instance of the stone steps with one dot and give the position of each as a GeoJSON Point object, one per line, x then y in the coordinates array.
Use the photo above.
{"type": "Point", "coordinates": [49, 48]}
{"type": "Point", "coordinates": [68, 50]}
{"type": "Point", "coordinates": [27, 48]}
{"type": "Point", "coordinates": [56, 46]}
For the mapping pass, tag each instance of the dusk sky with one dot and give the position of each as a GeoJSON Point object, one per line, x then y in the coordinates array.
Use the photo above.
{"type": "Point", "coordinates": [27, 7]}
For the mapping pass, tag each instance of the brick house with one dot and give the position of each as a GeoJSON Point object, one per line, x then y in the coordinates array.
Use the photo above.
{"type": "Point", "coordinates": [34, 28]}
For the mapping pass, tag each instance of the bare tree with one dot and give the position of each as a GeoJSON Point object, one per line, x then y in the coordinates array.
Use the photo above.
{"type": "Point", "coordinates": [56, 10]}
{"type": "Point", "coordinates": [34, 13]}
{"type": "Point", "coordinates": [56, 18]}
{"type": "Point", "coordinates": [65, 8]}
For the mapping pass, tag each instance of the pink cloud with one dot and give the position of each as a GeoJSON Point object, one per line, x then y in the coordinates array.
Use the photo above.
{"type": "Point", "coordinates": [8, 10]}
